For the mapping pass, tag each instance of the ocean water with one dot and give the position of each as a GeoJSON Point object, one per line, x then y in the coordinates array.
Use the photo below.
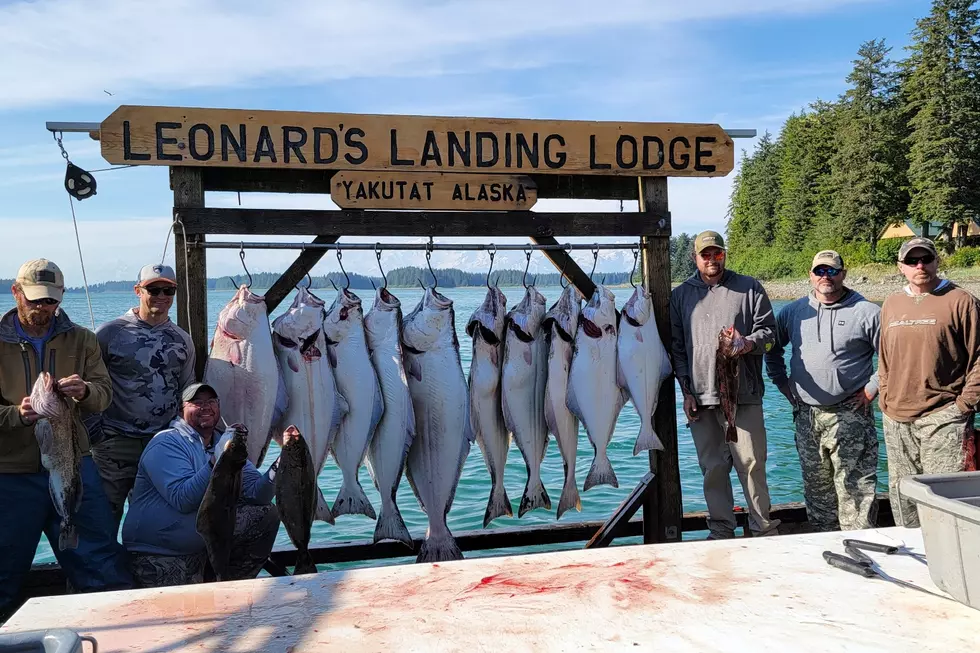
{"type": "Point", "coordinates": [783, 467]}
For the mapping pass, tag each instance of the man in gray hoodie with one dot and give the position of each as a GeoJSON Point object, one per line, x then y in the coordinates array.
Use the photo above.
{"type": "Point", "coordinates": [712, 299]}
{"type": "Point", "coordinates": [833, 335]}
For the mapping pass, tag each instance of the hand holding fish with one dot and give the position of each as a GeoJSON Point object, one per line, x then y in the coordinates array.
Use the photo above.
{"type": "Point", "coordinates": [74, 387]}
{"type": "Point", "coordinates": [27, 414]}
{"type": "Point", "coordinates": [740, 344]}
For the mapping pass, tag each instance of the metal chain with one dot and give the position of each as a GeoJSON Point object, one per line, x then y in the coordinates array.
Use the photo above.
{"type": "Point", "coordinates": [57, 139]}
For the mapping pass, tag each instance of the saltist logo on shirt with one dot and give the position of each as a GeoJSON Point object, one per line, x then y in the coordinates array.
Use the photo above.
{"type": "Point", "coordinates": [904, 323]}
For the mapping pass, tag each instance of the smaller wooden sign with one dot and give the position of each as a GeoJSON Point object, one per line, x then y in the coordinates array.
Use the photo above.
{"type": "Point", "coordinates": [432, 191]}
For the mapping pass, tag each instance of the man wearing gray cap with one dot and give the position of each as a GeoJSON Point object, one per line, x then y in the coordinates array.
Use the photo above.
{"type": "Point", "coordinates": [149, 359]}
{"type": "Point", "coordinates": [929, 375]}
{"type": "Point", "coordinates": [833, 336]}
{"type": "Point", "coordinates": [160, 531]}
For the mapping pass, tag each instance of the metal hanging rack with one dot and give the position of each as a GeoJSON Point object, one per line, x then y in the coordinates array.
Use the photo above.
{"type": "Point", "coordinates": [421, 247]}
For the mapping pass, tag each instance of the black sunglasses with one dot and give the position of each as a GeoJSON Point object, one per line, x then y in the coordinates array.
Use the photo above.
{"type": "Point", "coordinates": [912, 261]}
{"type": "Point", "coordinates": [823, 271]}
{"type": "Point", "coordinates": [169, 291]}
{"type": "Point", "coordinates": [47, 301]}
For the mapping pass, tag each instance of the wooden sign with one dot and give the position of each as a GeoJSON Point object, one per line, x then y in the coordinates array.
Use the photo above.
{"type": "Point", "coordinates": [433, 190]}
{"type": "Point", "coordinates": [174, 136]}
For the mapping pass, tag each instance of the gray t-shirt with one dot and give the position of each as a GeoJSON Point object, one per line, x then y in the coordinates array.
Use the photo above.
{"type": "Point", "coordinates": [148, 365]}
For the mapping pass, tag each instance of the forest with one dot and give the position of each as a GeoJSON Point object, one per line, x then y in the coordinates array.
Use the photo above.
{"type": "Point", "coordinates": [901, 145]}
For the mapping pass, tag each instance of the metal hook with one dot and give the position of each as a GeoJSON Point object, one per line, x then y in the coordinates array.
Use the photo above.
{"type": "Point", "coordinates": [377, 253]}
{"type": "Point", "coordinates": [595, 258]}
{"type": "Point", "coordinates": [421, 284]}
{"type": "Point", "coordinates": [527, 253]}
{"type": "Point", "coordinates": [241, 255]}
{"type": "Point", "coordinates": [428, 261]}
{"type": "Point", "coordinates": [636, 255]}
{"type": "Point", "coordinates": [561, 275]}
{"type": "Point", "coordinates": [309, 281]}
{"type": "Point", "coordinates": [334, 285]}
{"type": "Point", "coordinates": [340, 255]}
{"type": "Point", "coordinates": [493, 252]}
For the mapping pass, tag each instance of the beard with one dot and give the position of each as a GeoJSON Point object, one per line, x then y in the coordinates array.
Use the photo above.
{"type": "Point", "coordinates": [34, 317]}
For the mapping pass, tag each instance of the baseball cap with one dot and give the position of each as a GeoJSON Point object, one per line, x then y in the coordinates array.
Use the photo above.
{"type": "Point", "coordinates": [193, 389]}
{"type": "Point", "coordinates": [923, 243]}
{"type": "Point", "coordinates": [40, 279]}
{"type": "Point", "coordinates": [157, 272]}
{"type": "Point", "coordinates": [828, 257]}
{"type": "Point", "coordinates": [707, 239]}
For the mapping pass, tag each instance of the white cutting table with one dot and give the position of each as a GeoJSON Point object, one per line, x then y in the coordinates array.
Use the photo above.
{"type": "Point", "coordinates": [764, 594]}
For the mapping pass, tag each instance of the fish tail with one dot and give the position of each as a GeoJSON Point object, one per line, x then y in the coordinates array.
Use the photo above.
{"type": "Point", "coordinates": [68, 538]}
{"type": "Point", "coordinates": [498, 505]}
{"type": "Point", "coordinates": [731, 432]}
{"type": "Point", "coordinates": [535, 496]}
{"type": "Point", "coordinates": [323, 512]}
{"type": "Point", "coordinates": [441, 548]}
{"type": "Point", "coordinates": [569, 497]}
{"type": "Point", "coordinates": [304, 563]}
{"type": "Point", "coordinates": [351, 500]}
{"type": "Point", "coordinates": [647, 438]}
{"type": "Point", "coordinates": [601, 473]}
{"type": "Point", "coordinates": [391, 526]}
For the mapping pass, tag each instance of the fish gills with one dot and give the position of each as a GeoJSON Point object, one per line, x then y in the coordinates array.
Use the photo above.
{"type": "Point", "coordinates": [726, 371]}
{"type": "Point", "coordinates": [643, 364]}
{"type": "Point", "coordinates": [60, 454]}
{"type": "Point", "coordinates": [559, 325]}
{"type": "Point", "coordinates": [486, 329]}
{"type": "Point", "coordinates": [442, 424]}
{"type": "Point", "coordinates": [523, 382]}
{"type": "Point", "coordinates": [396, 430]}
{"type": "Point", "coordinates": [296, 493]}
{"type": "Point", "coordinates": [358, 383]}
{"type": "Point", "coordinates": [219, 509]}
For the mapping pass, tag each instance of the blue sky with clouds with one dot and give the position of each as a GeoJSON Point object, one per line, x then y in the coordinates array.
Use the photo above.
{"type": "Point", "coordinates": [746, 63]}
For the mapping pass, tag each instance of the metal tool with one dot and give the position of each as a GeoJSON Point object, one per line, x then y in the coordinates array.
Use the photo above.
{"type": "Point", "coordinates": [889, 549]}
{"type": "Point", "coordinates": [864, 565]}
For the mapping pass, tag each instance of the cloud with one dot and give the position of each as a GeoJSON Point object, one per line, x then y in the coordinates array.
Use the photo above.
{"type": "Point", "coordinates": [64, 51]}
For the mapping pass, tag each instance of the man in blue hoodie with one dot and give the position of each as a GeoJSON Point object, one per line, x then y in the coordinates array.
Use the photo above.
{"type": "Point", "coordinates": [160, 530]}
{"type": "Point", "coordinates": [833, 335]}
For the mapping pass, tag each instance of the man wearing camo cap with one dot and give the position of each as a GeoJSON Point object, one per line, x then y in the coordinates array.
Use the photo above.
{"type": "Point", "coordinates": [929, 375]}
{"type": "Point", "coordinates": [149, 359]}
{"type": "Point", "coordinates": [833, 337]}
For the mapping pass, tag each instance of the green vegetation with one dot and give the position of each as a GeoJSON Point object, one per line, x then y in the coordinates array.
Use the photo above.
{"type": "Point", "coordinates": [902, 143]}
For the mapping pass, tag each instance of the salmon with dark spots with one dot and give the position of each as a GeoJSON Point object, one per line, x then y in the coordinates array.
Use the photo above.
{"type": "Point", "coordinates": [60, 453]}
{"type": "Point", "coordinates": [219, 509]}
{"type": "Point", "coordinates": [726, 371]}
{"type": "Point", "coordinates": [296, 496]}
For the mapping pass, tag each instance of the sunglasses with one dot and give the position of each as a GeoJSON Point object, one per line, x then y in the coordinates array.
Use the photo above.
{"type": "Point", "coordinates": [823, 271]}
{"type": "Point", "coordinates": [169, 291]}
{"type": "Point", "coordinates": [912, 261]}
{"type": "Point", "coordinates": [709, 256]}
{"type": "Point", "coordinates": [201, 403]}
{"type": "Point", "coordinates": [47, 301]}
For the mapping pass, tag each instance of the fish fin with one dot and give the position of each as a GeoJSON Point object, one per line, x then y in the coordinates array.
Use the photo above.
{"type": "Point", "coordinates": [68, 538]}
{"type": "Point", "coordinates": [323, 512]}
{"type": "Point", "coordinates": [571, 402]}
{"type": "Point", "coordinates": [235, 353]}
{"type": "Point", "coordinates": [304, 563]}
{"type": "Point", "coordinates": [378, 409]}
{"type": "Point", "coordinates": [391, 526]}
{"type": "Point", "coordinates": [508, 416]}
{"type": "Point", "coordinates": [601, 473]}
{"type": "Point", "coordinates": [282, 398]}
{"type": "Point", "coordinates": [527, 355]}
{"type": "Point", "coordinates": [439, 549]}
{"type": "Point", "coordinates": [647, 438]}
{"type": "Point", "coordinates": [620, 375]}
{"type": "Point", "coordinates": [414, 369]}
{"type": "Point", "coordinates": [535, 496]}
{"type": "Point", "coordinates": [570, 497]}
{"type": "Point", "coordinates": [415, 489]}
{"type": "Point", "coordinates": [498, 505]}
{"type": "Point", "coordinates": [332, 356]}
{"type": "Point", "coordinates": [291, 361]}
{"type": "Point", "coordinates": [44, 434]}
{"type": "Point", "coordinates": [351, 500]}
{"type": "Point", "coordinates": [549, 417]}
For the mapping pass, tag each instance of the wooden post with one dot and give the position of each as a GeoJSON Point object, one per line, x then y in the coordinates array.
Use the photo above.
{"type": "Point", "coordinates": [295, 272]}
{"type": "Point", "coordinates": [663, 508]}
{"type": "Point", "coordinates": [566, 266]}
{"type": "Point", "coordinates": [191, 265]}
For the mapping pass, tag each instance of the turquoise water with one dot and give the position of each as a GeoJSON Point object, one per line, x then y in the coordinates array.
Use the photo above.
{"type": "Point", "coordinates": [471, 496]}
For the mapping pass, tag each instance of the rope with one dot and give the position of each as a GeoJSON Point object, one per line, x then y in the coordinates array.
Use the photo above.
{"type": "Point", "coordinates": [81, 260]}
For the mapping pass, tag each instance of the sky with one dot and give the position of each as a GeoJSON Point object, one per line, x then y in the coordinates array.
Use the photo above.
{"type": "Point", "coordinates": [746, 64]}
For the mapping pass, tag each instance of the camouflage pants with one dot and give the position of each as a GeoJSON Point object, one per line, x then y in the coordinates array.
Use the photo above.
{"type": "Point", "coordinates": [838, 449]}
{"type": "Point", "coordinates": [255, 534]}
{"type": "Point", "coordinates": [939, 443]}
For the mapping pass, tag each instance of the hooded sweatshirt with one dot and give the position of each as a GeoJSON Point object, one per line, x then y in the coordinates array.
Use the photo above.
{"type": "Point", "coordinates": [832, 345]}
{"type": "Point", "coordinates": [171, 480]}
{"type": "Point", "coordinates": [698, 313]}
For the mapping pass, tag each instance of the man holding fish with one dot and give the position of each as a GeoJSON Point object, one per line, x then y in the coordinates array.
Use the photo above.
{"type": "Point", "coordinates": [833, 335]}
{"type": "Point", "coordinates": [724, 414]}
{"type": "Point", "coordinates": [51, 374]}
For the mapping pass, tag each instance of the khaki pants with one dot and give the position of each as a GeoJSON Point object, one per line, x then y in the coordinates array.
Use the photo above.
{"type": "Point", "coordinates": [117, 458]}
{"type": "Point", "coordinates": [717, 457]}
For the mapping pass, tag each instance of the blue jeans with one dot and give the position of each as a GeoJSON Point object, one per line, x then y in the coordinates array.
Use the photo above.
{"type": "Point", "coordinates": [99, 562]}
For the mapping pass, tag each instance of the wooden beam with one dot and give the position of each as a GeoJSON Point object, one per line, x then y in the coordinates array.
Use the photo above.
{"type": "Point", "coordinates": [662, 510]}
{"type": "Point", "coordinates": [301, 222]}
{"type": "Point", "coordinates": [566, 266]}
{"type": "Point", "coordinates": [295, 272]}
{"type": "Point", "coordinates": [610, 530]}
{"type": "Point", "coordinates": [191, 265]}
{"type": "Point", "coordinates": [250, 180]}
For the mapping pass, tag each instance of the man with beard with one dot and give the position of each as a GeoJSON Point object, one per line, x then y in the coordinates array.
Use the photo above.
{"type": "Point", "coordinates": [833, 335]}
{"type": "Point", "coordinates": [149, 359]}
{"type": "Point", "coordinates": [160, 530]}
{"type": "Point", "coordinates": [36, 336]}
{"type": "Point", "coordinates": [713, 299]}
{"type": "Point", "coordinates": [929, 377]}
